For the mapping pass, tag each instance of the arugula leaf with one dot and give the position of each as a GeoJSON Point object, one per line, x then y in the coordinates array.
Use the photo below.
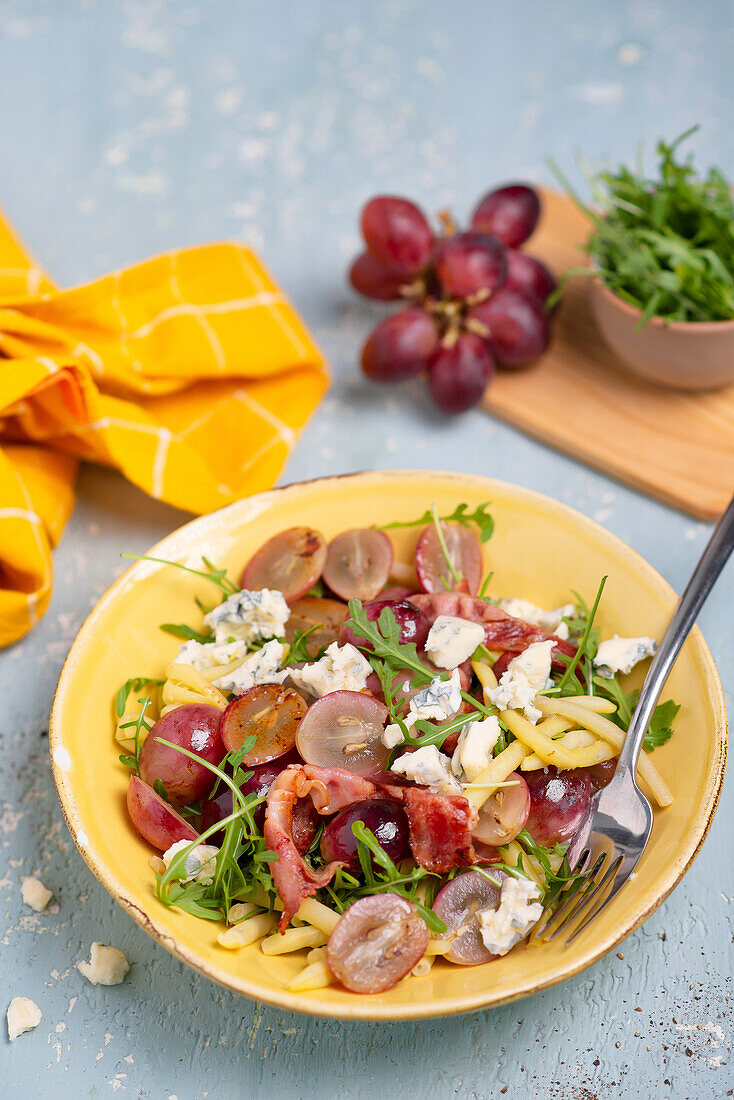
{"type": "Point", "coordinates": [298, 650]}
{"type": "Point", "coordinates": [461, 514]}
{"type": "Point", "coordinates": [181, 630]}
{"type": "Point", "coordinates": [664, 243]}
{"type": "Point", "coordinates": [139, 725]}
{"type": "Point", "coordinates": [135, 683]}
{"type": "Point", "coordinates": [583, 649]}
{"type": "Point", "coordinates": [660, 729]}
{"type": "Point", "coordinates": [386, 877]}
{"type": "Point", "coordinates": [216, 576]}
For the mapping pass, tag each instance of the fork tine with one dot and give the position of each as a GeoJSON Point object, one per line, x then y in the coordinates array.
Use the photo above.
{"type": "Point", "coordinates": [611, 871]}
{"type": "Point", "coordinates": [549, 914]}
{"type": "Point", "coordinates": [577, 899]}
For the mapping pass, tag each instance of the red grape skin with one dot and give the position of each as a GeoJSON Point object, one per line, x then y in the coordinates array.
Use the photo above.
{"type": "Point", "coordinates": [372, 279]}
{"type": "Point", "coordinates": [400, 346]}
{"type": "Point", "coordinates": [193, 726]}
{"type": "Point", "coordinates": [153, 818]}
{"type": "Point", "coordinates": [529, 276]}
{"type": "Point", "coordinates": [411, 620]}
{"type": "Point", "coordinates": [386, 820]}
{"type": "Point", "coordinates": [458, 376]}
{"type": "Point", "coordinates": [510, 212]}
{"type": "Point", "coordinates": [558, 802]}
{"type": "Point", "coordinates": [519, 330]}
{"type": "Point", "coordinates": [397, 233]}
{"type": "Point", "coordinates": [470, 262]}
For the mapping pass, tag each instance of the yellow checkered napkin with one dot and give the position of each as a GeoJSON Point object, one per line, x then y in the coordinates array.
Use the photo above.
{"type": "Point", "coordinates": [190, 373]}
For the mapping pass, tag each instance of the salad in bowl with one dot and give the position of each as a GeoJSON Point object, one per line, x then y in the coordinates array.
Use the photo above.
{"type": "Point", "coordinates": [376, 762]}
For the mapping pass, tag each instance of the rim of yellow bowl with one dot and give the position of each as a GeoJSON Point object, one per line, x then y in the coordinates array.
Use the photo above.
{"type": "Point", "coordinates": [362, 1008]}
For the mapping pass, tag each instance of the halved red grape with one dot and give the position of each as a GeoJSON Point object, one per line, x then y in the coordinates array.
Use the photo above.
{"type": "Point", "coordinates": [386, 820]}
{"type": "Point", "coordinates": [464, 550]}
{"type": "Point", "coordinates": [519, 330]}
{"type": "Point", "coordinates": [376, 942]}
{"type": "Point", "coordinates": [601, 774]}
{"type": "Point", "coordinates": [529, 276]}
{"type": "Point", "coordinates": [397, 233]}
{"type": "Point", "coordinates": [397, 592]}
{"type": "Point", "coordinates": [558, 802]}
{"type": "Point", "coordinates": [269, 712]}
{"type": "Point", "coordinates": [344, 730]}
{"type": "Point", "coordinates": [196, 727]}
{"type": "Point", "coordinates": [372, 279]}
{"type": "Point", "coordinates": [504, 813]}
{"type": "Point", "coordinates": [290, 562]}
{"type": "Point", "coordinates": [153, 818]}
{"type": "Point", "coordinates": [510, 212]}
{"type": "Point", "coordinates": [325, 615]}
{"type": "Point", "coordinates": [400, 346]}
{"type": "Point", "coordinates": [469, 262]}
{"type": "Point", "coordinates": [459, 375]}
{"type": "Point", "coordinates": [358, 563]}
{"type": "Point", "coordinates": [411, 620]}
{"type": "Point", "coordinates": [458, 903]}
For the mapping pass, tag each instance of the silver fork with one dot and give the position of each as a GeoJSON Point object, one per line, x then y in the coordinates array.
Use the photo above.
{"type": "Point", "coordinates": [612, 837]}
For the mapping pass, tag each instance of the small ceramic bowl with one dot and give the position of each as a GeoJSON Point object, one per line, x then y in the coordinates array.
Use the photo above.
{"type": "Point", "coordinates": [685, 355]}
{"type": "Point", "coordinates": [540, 550]}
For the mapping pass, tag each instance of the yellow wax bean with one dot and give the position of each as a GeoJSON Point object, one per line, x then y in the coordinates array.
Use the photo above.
{"type": "Point", "coordinates": [319, 915]}
{"type": "Point", "coordinates": [314, 976]}
{"type": "Point", "coordinates": [423, 966]}
{"type": "Point", "coordinates": [657, 786]}
{"type": "Point", "coordinates": [496, 772]}
{"type": "Point", "coordinates": [240, 935]}
{"type": "Point", "coordinates": [553, 752]}
{"type": "Point", "coordinates": [293, 939]}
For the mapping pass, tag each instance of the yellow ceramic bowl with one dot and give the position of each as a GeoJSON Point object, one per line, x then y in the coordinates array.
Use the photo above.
{"type": "Point", "coordinates": [540, 550]}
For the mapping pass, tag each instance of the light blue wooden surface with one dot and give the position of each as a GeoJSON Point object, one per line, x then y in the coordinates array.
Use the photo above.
{"type": "Point", "coordinates": [132, 127]}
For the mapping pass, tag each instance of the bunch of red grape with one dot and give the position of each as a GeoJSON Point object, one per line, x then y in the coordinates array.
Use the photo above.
{"type": "Point", "coordinates": [473, 301]}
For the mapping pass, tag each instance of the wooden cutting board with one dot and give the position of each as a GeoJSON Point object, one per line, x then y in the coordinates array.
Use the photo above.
{"type": "Point", "coordinates": [678, 447]}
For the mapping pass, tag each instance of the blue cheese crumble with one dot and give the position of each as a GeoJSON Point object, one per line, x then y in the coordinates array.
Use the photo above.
{"type": "Point", "coordinates": [261, 667]}
{"type": "Point", "coordinates": [342, 668]}
{"type": "Point", "coordinates": [430, 768]}
{"type": "Point", "coordinates": [526, 674]}
{"type": "Point", "coordinates": [474, 748]}
{"type": "Point", "coordinates": [551, 620]}
{"type": "Point", "coordinates": [622, 654]}
{"type": "Point", "coordinates": [519, 909]}
{"type": "Point", "coordinates": [250, 616]}
{"type": "Point", "coordinates": [452, 640]}
{"type": "Point", "coordinates": [441, 699]}
{"type": "Point", "coordinates": [200, 864]}
{"type": "Point", "coordinates": [204, 655]}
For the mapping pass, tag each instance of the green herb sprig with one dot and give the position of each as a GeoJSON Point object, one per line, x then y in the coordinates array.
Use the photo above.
{"type": "Point", "coordinates": [663, 243]}
{"type": "Point", "coordinates": [181, 630]}
{"type": "Point", "coordinates": [387, 878]}
{"type": "Point", "coordinates": [216, 576]}
{"type": "Point", "coordinates": [461, 514]}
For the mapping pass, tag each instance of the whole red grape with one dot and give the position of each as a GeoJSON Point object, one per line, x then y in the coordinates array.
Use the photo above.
{"type": "Point", "coordinates": [510, 212]}
{"type": "Point", "coordinates": [458, 375]}
{"type": "Point", "coordinates": [372, 279]}
{"type": "Point", "coordinates": [528, 275]}
{"type": "Point", "coordinates": [400, 346]}
{"type": "Point", "coordinates": [469, 262]}
{"type": "Point", "coordinates": [397, 233]}
{"type": "Point", "coordinates": [518, 329]}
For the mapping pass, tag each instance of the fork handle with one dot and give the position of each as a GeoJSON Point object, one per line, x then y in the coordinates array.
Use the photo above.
{"type": "Point", "coordinates": [712, 561]}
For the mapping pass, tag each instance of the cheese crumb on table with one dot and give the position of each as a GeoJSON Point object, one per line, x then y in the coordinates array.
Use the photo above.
{"type": "Point", "coordinates": [35, 893]}
{"type": "Point", "coordinates": [526, 674]}
{"type": "Point", "coordinates": [452, 640]}
{"type": "Point", "coordinates": [622, 654]}
{"type": "Point", "coordinates": [106, 966]}
{"type": "Point", "coordinates": [23, 1015]}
